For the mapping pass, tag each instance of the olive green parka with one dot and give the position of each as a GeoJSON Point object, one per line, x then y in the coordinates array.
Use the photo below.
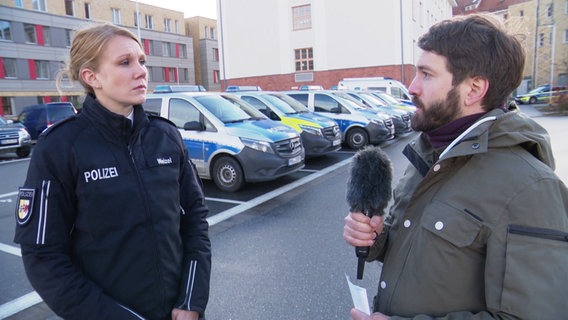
{"type": "Point", "coordinates": [480, 230]}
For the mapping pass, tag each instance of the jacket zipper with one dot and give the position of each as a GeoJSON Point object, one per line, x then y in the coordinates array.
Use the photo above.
{"type": "Point", "coordinates": [539, 233]}
{"type": "Point", "coordinates": [146, 207]}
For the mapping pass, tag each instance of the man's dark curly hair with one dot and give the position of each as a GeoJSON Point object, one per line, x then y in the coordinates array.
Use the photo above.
{"type": "Point", "coordinates": [478, 46]}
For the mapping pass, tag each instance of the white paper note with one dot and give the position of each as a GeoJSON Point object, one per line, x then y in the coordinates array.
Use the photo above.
{"type": "Point", "coordinates": [359, 296]}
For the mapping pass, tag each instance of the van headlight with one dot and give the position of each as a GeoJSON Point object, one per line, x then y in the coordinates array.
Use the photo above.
{"type": "Point", "coordinates": [377, 121]}
{"type": "Point", "coordinates": [258, 145]}
{"type": "Point", "coordinates": [310, 129]}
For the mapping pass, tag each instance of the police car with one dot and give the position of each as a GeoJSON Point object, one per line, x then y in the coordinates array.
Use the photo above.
{"type": "Point", "coordinates": [225, 143]}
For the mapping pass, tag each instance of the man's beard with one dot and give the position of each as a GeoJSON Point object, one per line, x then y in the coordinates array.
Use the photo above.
{"type": "Point", "coordinates": [438, 114]}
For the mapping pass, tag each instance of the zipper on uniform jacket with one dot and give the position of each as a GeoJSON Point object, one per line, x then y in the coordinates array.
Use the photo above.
{"type": "Point", "coordinates": [539, 233]}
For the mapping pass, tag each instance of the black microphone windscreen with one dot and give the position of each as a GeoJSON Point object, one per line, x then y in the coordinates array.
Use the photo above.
{"type": "Point", "coordinates": [369, 183]}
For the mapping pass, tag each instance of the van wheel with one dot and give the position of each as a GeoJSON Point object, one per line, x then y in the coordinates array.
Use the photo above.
{"type": "Point", "coordinates": [227, 174]}
{"type": "Point", "coordinates": [357, 138]}
{"type": "Point", "coordinates": [23, 152]}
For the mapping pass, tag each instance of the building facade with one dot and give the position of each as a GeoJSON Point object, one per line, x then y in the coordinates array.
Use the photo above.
{"type": "Point", "coordinates": [287, 44]}
{"type": "Point", "coordinates": [35, 38]}
{"type": "Point", "coordinates": [205, 51]}
{"type": "Point", "coordinates": [542, 25]}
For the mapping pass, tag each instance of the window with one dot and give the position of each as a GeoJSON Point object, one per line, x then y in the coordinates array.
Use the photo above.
{"type": "Point", "coordinates": [541, 40]}
{"type": "Point", "coordinates": [9, 68]}
{"type": "Point", "coordinates": [216, 76]}
{"type": "Point", "coordinates": [177, 26]}
{"type": "Point", "coordinates": [42, 69]}
{"type": "Point", "coordinates": [167, 25]}
{"type": "Point", "coordinates": [149, 22]}
{"type": "Point", "coordinates": [7, 103]}
{"type": "Point", "coordinates": [166, 49]}
{"type": "Point", "coordinates": [30, 31]}
{"type": "Point", "coordinates": [87, 10]}
{"type": "Point", "coordinates": [68, 37]}
{"type": "Point", "coordinates": [566, 36]}
{"type": "Point", "coordinates": [5, 30]}
{"type": "Point", "coordinates": [115, 16]}
{"type": "Point", "coordinates": [216, 54]}
{"type": "Point", "coordinates": [182, 112]}
{"type": "Point", "coordinates": [549, 10]}
{"type": "Point", "coordinates": [182, 51]}
{"type": "Point", "coordinates": [136, 19]}
{"type": "Point", "coordinates": [19, 3]}
{"type": "Point", "coordinates": [39, 5]}
{"type": "Point", "coordinates": [69, 8]}
{"type": "Point", "coordinates": [46, 36]}
{"type": "Point", "coordinates": [212, 33]}
{"type": "Point", "coordinates": [150, 73]}
{"type": "Point", "coordinates": [302, 17]}
{"type": "Point", "coordinates": [522, 13]}
{"type": "Point", "coordinates": [304, 59]}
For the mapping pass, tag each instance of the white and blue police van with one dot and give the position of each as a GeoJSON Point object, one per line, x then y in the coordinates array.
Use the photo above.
{"type": "Point", "coordinates": [226, 144]}
{"type": "Point", "coordinates": [359, 126]}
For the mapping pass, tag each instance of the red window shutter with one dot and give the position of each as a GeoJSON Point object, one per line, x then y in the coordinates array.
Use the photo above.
{"type": "Point", "coordinates": [146, 46]}
{"type": "Point", "coordinates": [2, 73]}
{"type": "Point", "coordinates": [39, 33]}
{"type": "Point", "coordinates": [33, 72]}
{"type": "Point", "coordinates": [166, 74]}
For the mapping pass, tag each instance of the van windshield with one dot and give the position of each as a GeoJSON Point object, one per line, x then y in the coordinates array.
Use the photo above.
{"type": "Point", "coordinates": [222, 109]}
{"type": "Point", "coordinates": [59, 113]}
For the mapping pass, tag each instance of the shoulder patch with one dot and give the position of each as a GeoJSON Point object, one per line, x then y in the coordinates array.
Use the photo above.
{"type": "Point", "coordinates": [58, 124]}
{"type": "Point", "coordinates": [25, 205]}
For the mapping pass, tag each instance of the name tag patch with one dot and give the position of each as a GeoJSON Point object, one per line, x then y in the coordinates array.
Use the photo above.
{"type": "Point", "coordinates": [25, 205]}
{"type": "Point", "coordinates": [100, 174]}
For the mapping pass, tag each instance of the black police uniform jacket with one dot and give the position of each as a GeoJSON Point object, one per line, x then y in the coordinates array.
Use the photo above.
{"type": "Point", "coordinates": [112, 219]}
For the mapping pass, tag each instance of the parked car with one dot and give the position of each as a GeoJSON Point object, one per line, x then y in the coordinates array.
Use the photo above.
{"type": "Point", "coordinates": [540, 94]}
{"type": "Point", "coordinates": [225, 143]}
{"type": "Point", "coordinates": [359, 126]}
{"type": "Point", "coordinates": [179, 88]}
{"type": "Point", "coordinates": [400, 119]}
{"type": "Point", "coordinates": [39, 117]}
{"type": "Point", "coordinates": [394, 102]}
{"type": "Point", "coordinates": [14, 138]}
{"type": "Point", "coordinates": [320, 135]}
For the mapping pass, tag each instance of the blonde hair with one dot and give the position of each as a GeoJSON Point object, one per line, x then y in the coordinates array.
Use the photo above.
{"type": "Point", "coordinates": [87, 47]}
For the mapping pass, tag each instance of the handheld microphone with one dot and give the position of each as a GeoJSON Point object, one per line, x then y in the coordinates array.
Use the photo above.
{"type": "Point", "coordinates": [369, 189]}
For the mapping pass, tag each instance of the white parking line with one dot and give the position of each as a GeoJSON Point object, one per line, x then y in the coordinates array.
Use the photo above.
{"type": "Point", "coordinates": [6, 195]}
{"type": "Point", "coordinates": [224, 215]}
{"type": "Point", "coordinates": [11, 250]}
{"type": "Point", "coordinates": [223, 200]}
{"type": "Point", "coordinates": [19, 304]}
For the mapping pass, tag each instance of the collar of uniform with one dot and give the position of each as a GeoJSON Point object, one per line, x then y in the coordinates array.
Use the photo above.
{"type": "Point", "coordinates": [113, 125]}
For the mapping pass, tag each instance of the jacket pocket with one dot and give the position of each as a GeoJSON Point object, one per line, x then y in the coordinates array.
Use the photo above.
{"type": "Point", "coordinates": [460, 227]}
{"type": "Point", "coordinates": [536, 272]}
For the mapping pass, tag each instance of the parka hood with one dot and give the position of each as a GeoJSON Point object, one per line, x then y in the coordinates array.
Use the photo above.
{"type": "Point", "coordinates": [508, 129]}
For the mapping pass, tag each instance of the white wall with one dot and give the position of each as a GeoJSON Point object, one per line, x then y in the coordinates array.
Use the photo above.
{"type": "Point", "coordinates": [258, 40]}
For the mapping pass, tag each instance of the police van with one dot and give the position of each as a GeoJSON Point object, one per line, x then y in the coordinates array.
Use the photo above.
{"type": "Point", "coordinates": [391, 86]}
{"type": "Point", "coordinates": [359, 126]}
{"type": "Point", "coordinates": [225, 143]}
{"type": "Point", "coordinates": [320, 135]}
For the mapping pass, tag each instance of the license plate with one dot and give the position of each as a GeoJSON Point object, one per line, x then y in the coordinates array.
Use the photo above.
{"type": "Point", "coordinates": [336, 142]}
{"type": "Point", "coordinates": [9, 141]}
{"type": "Point", "coordinates": [294, 160]}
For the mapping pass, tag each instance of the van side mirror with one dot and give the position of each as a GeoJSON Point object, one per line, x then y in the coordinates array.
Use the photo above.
{"type": "Point", "coordinates": [194, 126]}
